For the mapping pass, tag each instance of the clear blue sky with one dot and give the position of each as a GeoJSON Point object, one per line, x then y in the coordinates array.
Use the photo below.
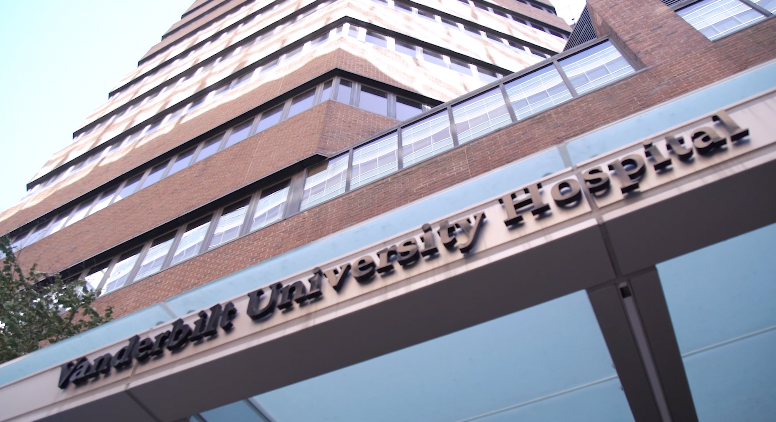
{"type": "Point", "coordinates": [60, 58]}
{"type": "Point", "coordinates": [58, 61]}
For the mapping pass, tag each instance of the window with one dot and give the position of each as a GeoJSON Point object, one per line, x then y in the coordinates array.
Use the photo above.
{"type": "Point", "coordinates": [556, 34]}
{"type": "Point", "coordinates": [770, 5]}
{"type": "Point", "coordinates": [239, 133]}
{"type": "Point", "coordinates": [269, 66]}
{"type": "Point", "coordinates": [481, 6]}
{"type": "Point", "coordinates": [154, 176]}
{"type": "Point", "coordinates": [230, 223]}
{"type": "Point", "coordinates": [404, 48]}
{"type": "Point", "coordinates": [374, 160]}
{"type": "Point", "coordinates": [36, 235]}
{"type": "Point", "coordinates": [320, 40]}
{"type": "Point", "coordinates": [535, 26]}
{"type": "Point", "coordinates": [326, 91]}
{"type": "Point", "coordinates": [293, 53]}
{"type": "Point", "coordinates": [181, 162]}
{"type": "Point", "coordinates": [152, 127]}
{"type": "Point", "coordinates": [537, 91]}
{"type": "Point", "coordinates": [716, 18]}
{"type": "Point", "coordinates": [325, 181]}
{"type": "Point", "coordinates": [343, 91]}
{"type": "Point", "coordinates": [269, 118]}
{"type": "Point", "coordinates": [472, 30]}
{"type": "Point", "coordinates": [154, 258]}
{"type": "Point", "coordinates": [426, 15]}
{"type": "Point", "coordinates": [426, 138]}
{"type": "Point", "coordinates": [58, 223]}
{"type": "Point", "coordinates": [119, 275]}
{"type": "Point", "coordinates": [449, 23]}
{"type": "Point", "coordinates": [373, 100]}
{"type": "Point", "coordinates": [434, 58]}
{"type": "Point", "coordinates": [301, 103]}
{"type": "Point", "coordinates": [480, 115]}
{"type": "Point", "coordinates": [538, 53]}
{"type": "Point", "coordinates": [210, 148]}
{"type": "Point", "coordinates": [376, 39]}
{"type": "Point", "coordinates": [80, 212]}
{"type": "Point", "coordinates": [242, 79]}
{"type": "Point", "coordinates": [500, 13]}
{"type": "Point", "coordinates": [196, 103]}
{"type": "Point", "coordinates": [17, 243]}
{"type": "Point", "coordinates": [486, 74]}
{"type": "Point", "coordinates": [402, 7]}
{"type": "Point", "coordinates": [494, 38]}
{"type": "Point", "coordinates": [191, 241]}
{"type": "Point", "coordinates": [104, 200]}
{"type": "Point", "coordinates": [129, 188]}
{"type": "Point", "coordinates": [594, 67]}
{"type": "Point", "coordinates": [353, 31]}
{"type": "Point", "coordinates": [406, 109]}
{"type": "Point", "coordinates": [270, 207]}
{"type": "Point", "coordinates": [460, 67]}
{"type": "Point", "coordinates": [95, 275]}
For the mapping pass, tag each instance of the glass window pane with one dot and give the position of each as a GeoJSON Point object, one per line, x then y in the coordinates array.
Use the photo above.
{"type": "Point", "coordinates": [229, 224]}
{"type": "Point", "coordinates": [239, 133]}
{"type": "Point", "coordinates": [301, 103]}
{"type": "Point", "coordinates": [460, 66]}
{"type": "Point", "coordinates": [154, 258]}
{"type": "Point", "coordinates": [191, 241]}
{"type": "Point", "coordinates": [119, 275]}
{"type": "Point", "coordinates": [547, 363]}
{"type": "Point", "coordinates": [181, 162]}
{"type": "Point", "coordinates": [270, 207]}
{"type": "Point", "coordinates": [17, 243]}
{"type": "Point", "coordinates": [196, 104]}
{"type": "Point", "coordinates": [373, 100]}
{"type": "Point", "coordinates": [242, 80]}
{"type": "Point", "coordinates": [426, 15]}
{"type": "Point", "coordinates": [449, 23]}
{"type": "Point", "coordinates": [343, 91]}
{"type": "Point", "coordinates": [720, 299]}
{"type": "Point", "coordinates": [58, 223]}
{"type": "Point", "coordinates": [487, 75]}
{"type": "Point", "coordinates": [270, 118]}
{"type": "Point", "coordinates": [269, 66]}
{"type": "Point", "coordinates": [537, 91]}
{"type": "Point", "coordinates": [767, 4]}
{"type": "Point", "coordinates": [210, 148]}
{"type": "Point", "coordinates": [480, 115]}
{"type": "Point", "coordinates": [715, 18]}
{"type": "Point", "coordinates": [326, 181]}
{"type": "Point", "coordinates": [403, 7]}
{"type": "Point", "coordinates": [326, 92]}
{"type": "Point", "coordinates": [95, 275]}
{"type": "Point", "coordinates": [80, 212]}
{"type": "Point", "coordinates": [128, 189]}
{"type": "Point", "coordinates": [36, 235]}
{"type": "Point", "coordinates": [426, 138]}
{"type": "Point", "coordinates": [434, 58]}
{"type": "Point", "coordinates": [376, 39]}
{"type": "Point", "coordinates": [320, 40]}
{"type": "Point", "coordinates": [596, 66]}
{"type": "Point", "coordinates": [353, 31]}
{"type": "Point", "coordinates": [374, 160]}
{"type": "Point", "coordinates": [154, 176]}
{"type": "Point", "coordinates": [404, 48]}
{"type": "Point", "coordinates": [406, 109]}
{"type": "Point", "coordinates": [103, 201]}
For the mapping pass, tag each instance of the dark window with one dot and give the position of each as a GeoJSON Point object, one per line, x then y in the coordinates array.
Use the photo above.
{"type": "Point", "coordinates": [449, 23]}
{"type": "Point", "coordinates": [427, 15]}
{"type": "Point", "coordinates": [373, 100]}
{"type": "Point", "coordinates": [402, 6]}
{"type": "Point", "coordinates": [406, 109]}
{"type": "Point", "coordinates": [500, 13]}
{"type": "Point", "coordinates": [487, 75]}
{"type": "Point", "coordinates": [343, 91]}
{"type": "Point", "coordinates": [460, 66]}
{"type": "Point", "coordinates": [471, 29]}
{"type": "Point", "coordinates": [433, 57]}
{"type": "Point", "coordinates": [326, 91]}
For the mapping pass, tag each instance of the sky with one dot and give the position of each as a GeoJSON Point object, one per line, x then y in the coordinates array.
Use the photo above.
{"type": "Point", "coordinates": [60, 58]}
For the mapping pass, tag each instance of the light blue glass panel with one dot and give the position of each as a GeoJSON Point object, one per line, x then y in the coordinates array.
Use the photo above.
{"type": "Point", "coordinates": [480, 115]}
{"type": "Point", "coordinates": [235, 412]}
{"type": "Point", "coordinates": [770, 5]}
{"type": "Point", "coordinates": [374, 160]}
{"type": "Point", "coordinates": [537, 91]}
{"type": "Point", "coordinates": [544, 363]}
{"type": "Point", "coordinates": [154, 258]}
{"type": "Point", "coordinates": [715, 18]}
{"type": "Point", "coordinates": [270, 208]}
{"type": "Point", "coordinates": [595, 67]}
{"type": "Point", "coordinates": [119, 275]}
{"type": "Point", "coordinates": [721, 303]}
{"type": "Point", "coordinates": [426, 138]}
{"type": "Point", "coordinates": [327, 183]}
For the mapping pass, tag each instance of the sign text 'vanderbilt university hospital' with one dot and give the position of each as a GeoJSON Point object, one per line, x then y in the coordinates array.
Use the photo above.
{"type": "Point", "coordinates": [537, 201]}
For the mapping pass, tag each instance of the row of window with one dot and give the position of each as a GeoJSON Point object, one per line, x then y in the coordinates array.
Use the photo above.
{"type": "Point", "coordinates": [468, 29]}
{"type": "Point", "coordinates": [717, 18]}
{"type": "Point", "coordinates": [483, 6]}
{"type": "Point", "coordinates": [421, 53]}
{"type": "Point", "coordinates": [268, 65]}
{"type": "Point", "coordinates": [410, 143]}
{"type": "Point", "coordinates": [338, 89]}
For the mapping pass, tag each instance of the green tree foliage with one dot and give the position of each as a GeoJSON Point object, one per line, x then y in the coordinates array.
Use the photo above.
{"type": "Point", "coordinates": [37, 309]}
